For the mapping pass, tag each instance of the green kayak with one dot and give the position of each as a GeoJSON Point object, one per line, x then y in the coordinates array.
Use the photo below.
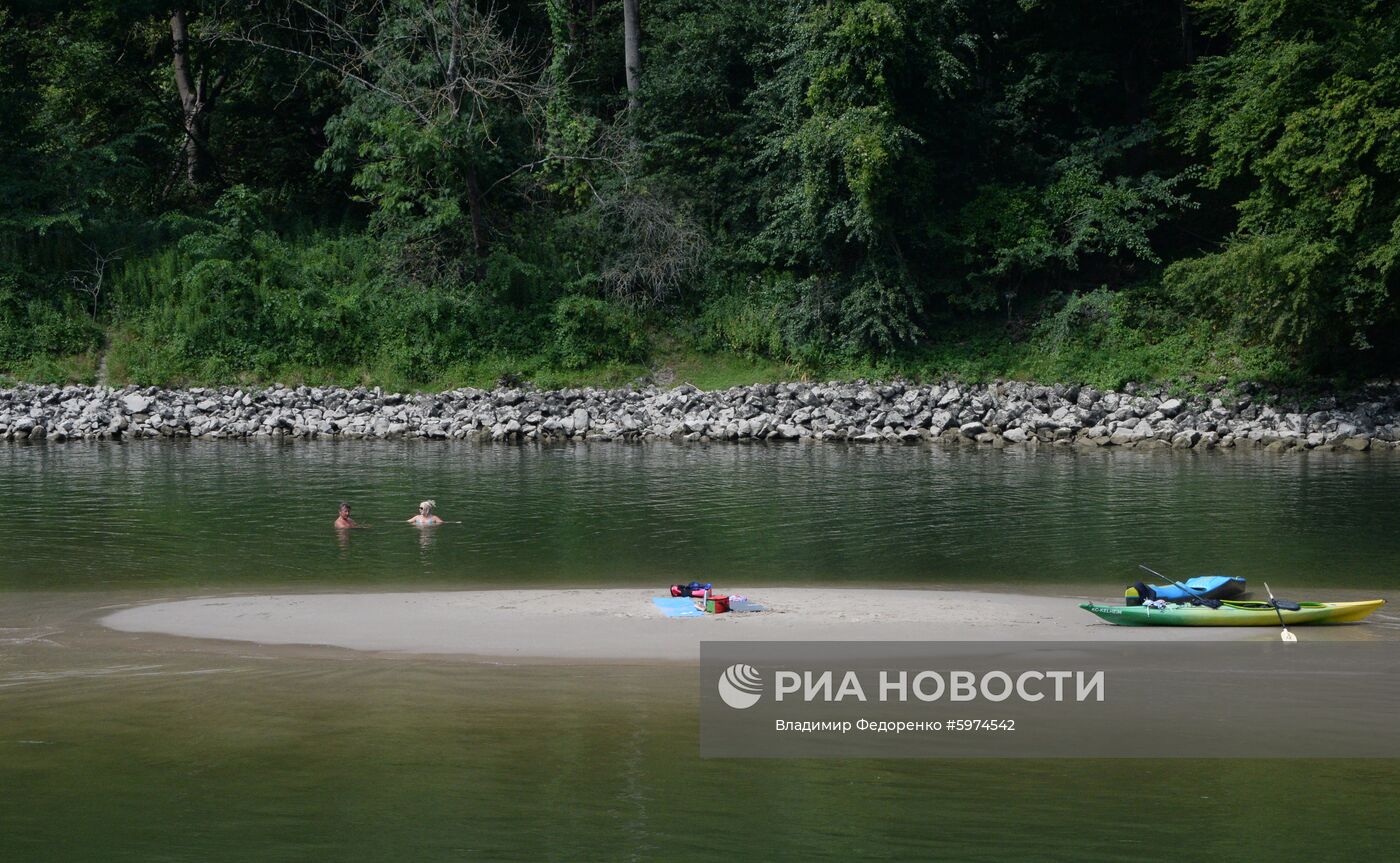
{"type": "Point", "coordinates": [1233, 613]}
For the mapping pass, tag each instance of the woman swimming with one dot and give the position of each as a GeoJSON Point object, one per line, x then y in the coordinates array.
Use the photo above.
{"type": "Point", "coordinates": [425, 516]}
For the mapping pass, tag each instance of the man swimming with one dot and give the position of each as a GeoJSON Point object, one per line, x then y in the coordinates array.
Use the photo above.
{"type": "Point", "coordinates": [425, 516]}
{"type": "Point", "coordinates": [344, 521]}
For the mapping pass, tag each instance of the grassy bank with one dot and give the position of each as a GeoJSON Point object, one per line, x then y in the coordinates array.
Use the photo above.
{"type": "Point", "coordinates": [235, 302]}
{"type": "Point", "coordinates": [1187, 359]}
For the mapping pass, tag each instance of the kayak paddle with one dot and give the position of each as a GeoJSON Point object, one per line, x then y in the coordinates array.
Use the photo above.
{"type": "Point", "coordinates": [1287, 636]}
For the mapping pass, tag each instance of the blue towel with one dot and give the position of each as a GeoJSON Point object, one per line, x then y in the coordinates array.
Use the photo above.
{"type": "Point", "coordinates": [677, 606]}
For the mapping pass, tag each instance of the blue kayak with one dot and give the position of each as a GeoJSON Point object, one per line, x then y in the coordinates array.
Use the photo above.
{"type": "Point", "coordinates": [1204, 586]}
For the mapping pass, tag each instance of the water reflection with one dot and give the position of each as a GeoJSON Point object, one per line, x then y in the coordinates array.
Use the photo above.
{"type": "Point", "coordinates": [231, 513]}
{"type": "Point", "coordinates": [182, 755]}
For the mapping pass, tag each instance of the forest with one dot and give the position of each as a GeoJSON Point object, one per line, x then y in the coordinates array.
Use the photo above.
{"type": "Point", "coordinates": [433, 193]}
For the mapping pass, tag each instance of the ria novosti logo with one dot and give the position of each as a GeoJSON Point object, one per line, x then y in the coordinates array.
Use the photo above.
{"type": "Point", "coordinates": [740, 686]}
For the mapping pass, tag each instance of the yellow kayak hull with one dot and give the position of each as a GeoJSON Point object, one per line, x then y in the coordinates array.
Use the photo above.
{"type": "Point", "coordinates": [1234, 613]}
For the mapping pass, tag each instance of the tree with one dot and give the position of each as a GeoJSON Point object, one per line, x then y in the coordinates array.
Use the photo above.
{"type": "Point", "coordinates": [1300, 118]}
{"type": "Point", "coordinates": [199, 89]}
{"type": "Point", "coordinates": [632, 38]}
{"type": "Point", "coordinates": [437, 88]}
{"type": "Point", "coordinates": [856, 107]}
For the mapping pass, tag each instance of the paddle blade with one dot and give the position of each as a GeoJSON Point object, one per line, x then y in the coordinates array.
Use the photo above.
{"type": "Point", "coordinates": [1288, 637]}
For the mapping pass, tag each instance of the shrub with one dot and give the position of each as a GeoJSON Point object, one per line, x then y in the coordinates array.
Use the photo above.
{"type": "Point", "coordinates": [737, 324]}
{"type": "Point", "coordinates": [33, 327]}
{"type": "Point", "coordinates": [587, 330]}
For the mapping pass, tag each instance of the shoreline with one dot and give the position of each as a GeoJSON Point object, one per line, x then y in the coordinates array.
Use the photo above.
{"type": "Point", "coordinates": [998, 415]}
{"type": "Point", "coordinates": [621, 625]}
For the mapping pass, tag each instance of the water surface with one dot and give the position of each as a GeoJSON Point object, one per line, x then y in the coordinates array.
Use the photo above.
{"type": "Point", "coordinates": [120, 747]}
{"type": "Point", "coordinates": [140, 756]}
{"type": "Point", "coordinates": [240, 514]}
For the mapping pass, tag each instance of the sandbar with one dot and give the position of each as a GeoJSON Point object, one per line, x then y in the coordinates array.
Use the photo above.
{"type": "Point", "coordinates": [622, 625]}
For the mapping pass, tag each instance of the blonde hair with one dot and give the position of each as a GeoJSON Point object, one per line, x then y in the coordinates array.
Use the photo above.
{"type": "Point", "coordinates": [427, 506]}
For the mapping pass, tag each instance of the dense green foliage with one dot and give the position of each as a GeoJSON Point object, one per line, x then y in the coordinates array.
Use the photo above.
{"type": "Point", "coordinates": [422, 192]}
{"type": "Point", "coordinates": [1306, 112]}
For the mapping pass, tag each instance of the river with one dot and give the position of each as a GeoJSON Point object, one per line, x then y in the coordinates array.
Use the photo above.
{"type": "Point", "coordinates": [118, 748]}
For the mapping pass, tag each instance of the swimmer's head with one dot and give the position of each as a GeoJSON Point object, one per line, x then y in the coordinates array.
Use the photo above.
{"type": "Point", "coordinates": [344, 508]}
{"type": "Point", "coordinates": [427, 506]}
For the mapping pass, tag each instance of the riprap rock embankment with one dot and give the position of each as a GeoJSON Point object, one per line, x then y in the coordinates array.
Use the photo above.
{"type": "Point", "coordinates": [999, 414]}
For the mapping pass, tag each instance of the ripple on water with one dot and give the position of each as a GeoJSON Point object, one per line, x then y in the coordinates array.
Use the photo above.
{"type": "Point", "coordinates": [231, 514]}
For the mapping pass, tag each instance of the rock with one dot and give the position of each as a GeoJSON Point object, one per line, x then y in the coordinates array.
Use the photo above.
{"type": "Point", "coordinates": [1185, 439]}
{"type": "Point", "coordinates": [939, 421]}
{"type": "Point", "coordinates": [1004, 413]}
{"type": "Point", "coordinates": [1122, 436]}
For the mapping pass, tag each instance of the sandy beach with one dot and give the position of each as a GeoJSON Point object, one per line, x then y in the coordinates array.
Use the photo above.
{"type": "Point", "coordinates": [622, 624]}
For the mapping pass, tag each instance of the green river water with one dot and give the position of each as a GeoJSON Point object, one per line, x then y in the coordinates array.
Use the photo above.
{"type": "Point", "coordinates": [126, 749]}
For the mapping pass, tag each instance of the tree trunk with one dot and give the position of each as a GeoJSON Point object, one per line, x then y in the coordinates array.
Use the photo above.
{"type": "Point", "coordinates": [1188, 46]}
{"type": "Point", "coordinates": [197, 96]}
{"type": "Point", "coordinates": [580, 14]}
{"type": "Point", "coordinates": [478, 217]}
{"type": "Point", "coordinates": [632, 43]}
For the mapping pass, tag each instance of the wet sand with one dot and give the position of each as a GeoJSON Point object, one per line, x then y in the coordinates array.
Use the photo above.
{"type": "Point", "coordinates": [623, 625]}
